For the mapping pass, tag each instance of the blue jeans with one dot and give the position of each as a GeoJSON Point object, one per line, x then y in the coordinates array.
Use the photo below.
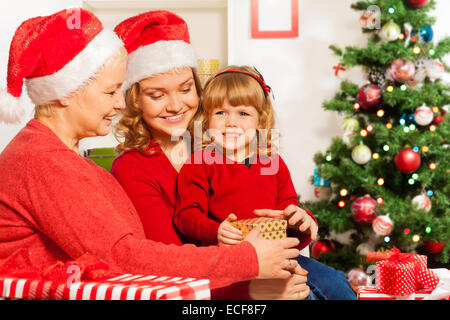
{"type": "Point", "coordinates": [325, 283]}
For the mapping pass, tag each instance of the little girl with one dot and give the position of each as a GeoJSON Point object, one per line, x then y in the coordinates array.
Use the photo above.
{"type": "Point", "coordinates": [237, 170]}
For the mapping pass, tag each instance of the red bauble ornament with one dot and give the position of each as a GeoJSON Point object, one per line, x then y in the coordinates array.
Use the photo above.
{"type": "Point", "coordinates": [416, 3]}
{"type": "Point", "coordinates": [433, 246]}
{"type": "Point", "coordinates": [369, 96]}
{"type": "Point", "coordinates": [407, 160]}
{"type": "Point", "coordinates": [364, 209]}
{"type": "Point", "coordinates": [322, 246]}
{"type": "Point", "coordinates": [440, 118]}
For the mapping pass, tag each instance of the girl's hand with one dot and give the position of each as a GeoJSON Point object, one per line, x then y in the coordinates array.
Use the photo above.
{"type": "Point", "coordinates": [297, 219]}
{"type": "Point", "coordinates": [227, 234]}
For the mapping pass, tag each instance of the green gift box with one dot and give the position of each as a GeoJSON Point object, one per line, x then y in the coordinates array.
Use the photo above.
{"type": "Point", "coordinates": [103, 157]}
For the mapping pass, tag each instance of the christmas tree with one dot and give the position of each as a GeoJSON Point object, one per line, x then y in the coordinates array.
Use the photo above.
{"type": "Point", "coordinates": [386, 182]}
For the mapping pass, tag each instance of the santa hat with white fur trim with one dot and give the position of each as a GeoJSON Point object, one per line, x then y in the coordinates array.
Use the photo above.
{"type": "Point", "coordinates": [55, 55]}
{"type": "Point", "coordinates": [157, 42]}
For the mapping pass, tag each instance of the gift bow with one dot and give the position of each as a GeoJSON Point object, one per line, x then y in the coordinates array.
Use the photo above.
{"type": "Point", "coordinates": [401, 274]}
{"type": "Point", "coordinates": [85, 267]}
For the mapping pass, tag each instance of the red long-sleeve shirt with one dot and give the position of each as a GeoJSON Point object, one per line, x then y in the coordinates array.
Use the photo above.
{"type": "Point", "coordinates": [211, 186]}
{"type": "Point", "coordinates": [151, 182]}
{"type": "Point", "coordinates": [59, 206]}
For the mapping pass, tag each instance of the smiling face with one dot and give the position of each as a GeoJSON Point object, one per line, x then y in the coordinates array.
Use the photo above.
{"type": "Point", "coordinates": [92, 108]}
{"type": "Point", "coordinates": [168, 102]}
{"type": "Point", "coordinates": [233, 127]}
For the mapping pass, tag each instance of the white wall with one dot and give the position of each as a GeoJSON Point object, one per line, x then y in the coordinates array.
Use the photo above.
{"type": "Point", "coordinates": [299, 70]}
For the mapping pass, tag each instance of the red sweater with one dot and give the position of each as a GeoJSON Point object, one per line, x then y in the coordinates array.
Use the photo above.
{"type": "Point", "coordinates": [59, 206]}
{"type": "Point", "coordinates": [211, 186]}
{"type": "Point", "coordinates": [151, 181]}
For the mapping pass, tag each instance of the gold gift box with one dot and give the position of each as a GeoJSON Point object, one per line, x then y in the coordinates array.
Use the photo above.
{"type": "Point", "coordinates": [206, 67]}
{"type": "Point", "coordinates": [270, 228]}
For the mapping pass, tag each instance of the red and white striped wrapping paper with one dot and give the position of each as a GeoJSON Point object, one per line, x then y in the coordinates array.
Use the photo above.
{"type": "Point", "coordinates": [123, 287]}
{"type": "Point", "coordinates": [370, 293]}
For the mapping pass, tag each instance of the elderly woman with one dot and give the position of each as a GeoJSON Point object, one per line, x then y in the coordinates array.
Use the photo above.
{"type": "Point", "coordinates": [162, 97]}
{"type": "Point", "coordinates": [57, 205]}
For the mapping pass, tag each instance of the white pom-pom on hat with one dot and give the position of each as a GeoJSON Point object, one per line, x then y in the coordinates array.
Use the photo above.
{"type": "Point", "coordinates": [11, 108]}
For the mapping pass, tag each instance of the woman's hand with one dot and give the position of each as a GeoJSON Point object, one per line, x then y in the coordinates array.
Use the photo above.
{"type": "Point", "coordinates": [274, 256]}
{"type": "Point", "coordinates": [227, 234]}
{"type": "Point", "coordinates": [293, 288]}
{"type": "Point", "coordinates": [297, 219]}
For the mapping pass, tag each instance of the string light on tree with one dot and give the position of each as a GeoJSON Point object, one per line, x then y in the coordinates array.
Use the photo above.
{"type": "Point", "coordinates": [380, 181]}
{"type": "Point", "coordinates": [389, 125]}
{"type": "Point", "coordinates": [432, 166]}
{"type": "Point", "coordinates": [389, 88]}
{"type": "Point", "coordinates": [343, 192]}
{"type": "Point", "coordinates": [415, 238]}
{"type": "Point", "coordinates": [375, 156]}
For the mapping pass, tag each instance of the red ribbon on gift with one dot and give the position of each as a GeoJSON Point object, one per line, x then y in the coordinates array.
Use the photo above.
{"type": "Point", "coordinates": [85, 267]}
{"type": "Point", "coordinates": [401, 274]}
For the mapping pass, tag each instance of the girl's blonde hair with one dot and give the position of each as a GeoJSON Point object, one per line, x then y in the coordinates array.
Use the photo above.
{"type": "Point", "coordinates": [238, 89]}
{"type": "Point", "coordinates": [132, 127]}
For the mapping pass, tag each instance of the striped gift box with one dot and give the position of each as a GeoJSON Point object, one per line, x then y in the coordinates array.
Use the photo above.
{"type": "Point", "coordinates": [123, 287]}
{"type": "Point", "coordinates": [370, 293]}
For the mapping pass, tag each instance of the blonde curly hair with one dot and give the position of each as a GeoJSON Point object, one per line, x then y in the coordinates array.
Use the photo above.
{"type": "Point", "coordinates": [132, 127]}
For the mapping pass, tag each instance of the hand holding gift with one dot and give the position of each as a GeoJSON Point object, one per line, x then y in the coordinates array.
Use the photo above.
{"type": "Point", "coordinates": [227, 233]}
{"type": "Point", "coordinates": [296, 217]}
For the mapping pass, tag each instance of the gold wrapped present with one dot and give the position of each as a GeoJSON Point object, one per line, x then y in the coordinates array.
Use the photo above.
{"type": "Point", "coordinates": [279, 234]}
{"type": "Point", "coordinates": [270, 228]}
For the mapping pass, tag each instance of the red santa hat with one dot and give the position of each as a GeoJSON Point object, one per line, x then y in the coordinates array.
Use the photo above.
{"type": "Point", "coordinates": [157, 42]}
{"type": "Point", "coordinates": [54, 55]}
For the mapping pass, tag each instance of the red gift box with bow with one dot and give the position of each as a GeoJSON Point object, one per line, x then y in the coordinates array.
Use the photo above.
{"type": "Point", "coordinates": [401, 274]}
